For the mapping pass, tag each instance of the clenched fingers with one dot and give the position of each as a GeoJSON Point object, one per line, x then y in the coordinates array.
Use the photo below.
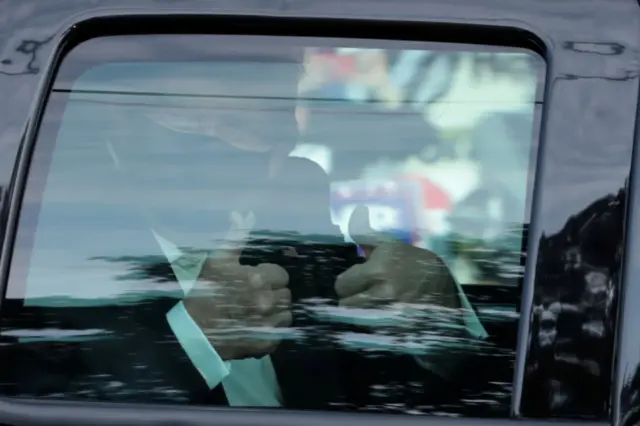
{"type": "Point", "coordinates": [265, 336]}
{"type": "Point", "coordinates": [357, 279]}
{"type": "Point", "coordinates": [269, 301]}
{"type": "Point", "coordinates": [376, 295]}
{"type": "Point", "coordinates": [280, 319]}
{"type": "Point", "coordinates": [272, 275]}
{"type": "Point", "coordinates": [282, 299]}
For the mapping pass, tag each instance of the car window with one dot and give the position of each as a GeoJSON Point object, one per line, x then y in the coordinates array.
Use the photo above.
{"type": "Point", "coordinates": [260, 221]}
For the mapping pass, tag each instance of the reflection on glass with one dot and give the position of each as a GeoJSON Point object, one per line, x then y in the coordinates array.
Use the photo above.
{"type": "Point", "coordinates": [228, 230]}
{"type": "Point", "coordinates": [438, 143]}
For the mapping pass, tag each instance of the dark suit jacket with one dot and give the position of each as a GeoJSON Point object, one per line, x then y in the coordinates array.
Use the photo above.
{"type": "Point", "coordinates": [134, 356]}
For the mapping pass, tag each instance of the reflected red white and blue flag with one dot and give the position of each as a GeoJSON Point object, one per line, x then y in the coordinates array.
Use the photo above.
{"type": "Point", "coordinates": [393, 206]}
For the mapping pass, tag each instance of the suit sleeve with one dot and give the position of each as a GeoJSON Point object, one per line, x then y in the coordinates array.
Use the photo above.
{"type": "Point", "coordinates": [439, 360]}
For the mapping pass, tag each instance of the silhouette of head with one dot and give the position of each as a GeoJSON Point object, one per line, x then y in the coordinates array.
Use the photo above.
{"type": "Point", "coordinates": [212, 143]}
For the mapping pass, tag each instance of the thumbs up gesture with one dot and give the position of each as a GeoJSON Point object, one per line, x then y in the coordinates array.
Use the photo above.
{"type": "Point", "coordinates": [394, 272]}
{"type": "Point", "coordinates": [239, 306]}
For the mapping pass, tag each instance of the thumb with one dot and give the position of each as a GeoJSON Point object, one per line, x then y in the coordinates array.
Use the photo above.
{"type": "Point", "coordinates": [360, 230]}
{"type": "Point", "coordinates": [230, 247]}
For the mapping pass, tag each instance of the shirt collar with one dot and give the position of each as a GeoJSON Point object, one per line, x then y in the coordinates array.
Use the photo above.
{"type": "Point", "coordinates": [170, 250]}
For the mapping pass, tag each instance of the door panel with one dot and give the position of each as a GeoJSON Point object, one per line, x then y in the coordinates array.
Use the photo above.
{"type": "Point", "coordinates": [584, 161]}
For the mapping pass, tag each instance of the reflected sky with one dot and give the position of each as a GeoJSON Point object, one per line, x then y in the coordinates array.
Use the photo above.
{"type": "Point", "coordinates": [89, 201]}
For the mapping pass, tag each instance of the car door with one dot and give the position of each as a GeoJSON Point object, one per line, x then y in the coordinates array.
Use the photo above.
{"type": "Point", "coordinates": [497, 135]}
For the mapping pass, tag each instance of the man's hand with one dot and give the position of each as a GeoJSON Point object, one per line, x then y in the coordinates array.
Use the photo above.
{"type": "Point", "coordinates": [238, 306]}
{"type": "Point", "coordinates": [393, 272]}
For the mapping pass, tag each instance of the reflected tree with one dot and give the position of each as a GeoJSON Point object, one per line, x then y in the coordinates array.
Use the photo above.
{"type": "Point", "coordinates": [573, 323]}
{"type": "Point", "coordinates": [147, 267]}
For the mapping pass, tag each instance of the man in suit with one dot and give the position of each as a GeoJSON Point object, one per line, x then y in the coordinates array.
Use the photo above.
{"type": "Point", "coordinates": [278, 310]}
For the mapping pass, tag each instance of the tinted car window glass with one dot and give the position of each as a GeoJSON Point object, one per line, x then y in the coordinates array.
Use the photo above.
{"type": "Point", "coordinates": [258, 221]}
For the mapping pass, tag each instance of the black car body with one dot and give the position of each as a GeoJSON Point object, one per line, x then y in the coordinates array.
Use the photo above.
{"type": "Point", "coordinates": [576, 358]}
